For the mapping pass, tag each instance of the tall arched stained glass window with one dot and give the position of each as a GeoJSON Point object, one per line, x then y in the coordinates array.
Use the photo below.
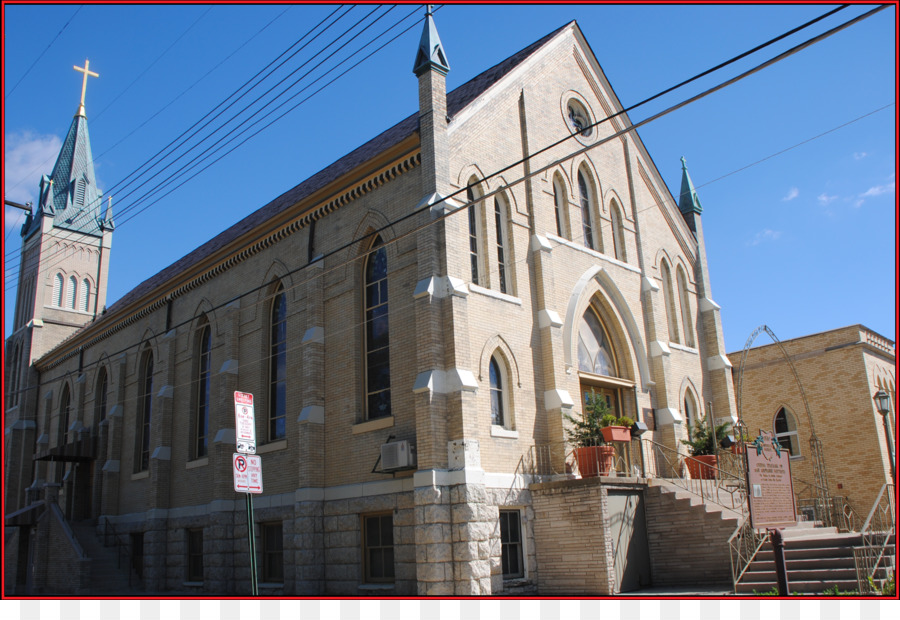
{"type": "Point", "coordinates": [378, 366]}
{"type": "Point", "coordinates": [587, 227]}
{"type": "Point", "coordinates": [204, 375]}
{"type": "Point", "coordinates": [278, 366]}
{"type": "Point", "coordinates": [595, 355]}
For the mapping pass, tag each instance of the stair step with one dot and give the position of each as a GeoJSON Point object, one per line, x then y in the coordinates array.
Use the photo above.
{"type": "Point", "coordinates": [808, 587]}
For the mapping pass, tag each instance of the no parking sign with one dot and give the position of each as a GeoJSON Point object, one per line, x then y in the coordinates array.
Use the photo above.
{"type": "Point", "coordinates": [247, 473]}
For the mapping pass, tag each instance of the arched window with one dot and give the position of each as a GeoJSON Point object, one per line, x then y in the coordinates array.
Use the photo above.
{"type": "Point", "coordinates": [500, 219]}
{"type": "Point", "coordinates": [65, 409]}
{"type": "Point", "coordinates": [58, 290]}
{"type": "Point", "coordinates": [786, 431]}
{"type": "Point", "coordinates": [85, 296]}
{"type": "Point", "coordinates": [71, 289]}
{"type": "Point", "coordinates": [201, 425]}
{"type": "Point", "coordinates": [690, 409]}
{"type": "Point", "coordinates": [278, 366]}
{"type": "Point", "coordinates": [617, 232]}
{"type": "Point", "coordinates": [378, 367]}
{"type": "Point", "coordinates": [101, 396]}
{"type": "Point", "coordinates": [595, 355]}
{"type": "Point", "coordinates": [145, 410]}
{"type": "Point", "coordinates": [499, 392]}
{"type": "Point", "coordinates": [685, 307]}
{"type": "Point", "coordinates": [474, 216]}
{"type": "Point", "coordinates": [12, 390]}
{"type": "Point", "coordinates": [669, 297]}
{"type": "Point", "coordinates": [584, 196]}
{"type": "Point", "coordinates": [559, 204]}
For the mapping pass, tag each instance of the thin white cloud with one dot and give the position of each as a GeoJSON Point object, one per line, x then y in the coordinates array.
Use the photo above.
{"type": "Point", "coordinates": [792, 193]}
{"type": "Point", "coordinates": [858, 203]}
{"type": "Point", "coordinates": [878, 190]}
{"type": "Point", "coordinates": [765, 235]}
{"type": "Point", "coordinates": [26, 157]}
{"type": "Point", "coordinates": [824, 198]}
{"type": "Point", "coordinates": [858, 156]}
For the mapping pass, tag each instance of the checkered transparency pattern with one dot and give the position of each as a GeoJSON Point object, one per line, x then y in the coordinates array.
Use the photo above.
{"type": "Point", "coordinates": [462, 609]}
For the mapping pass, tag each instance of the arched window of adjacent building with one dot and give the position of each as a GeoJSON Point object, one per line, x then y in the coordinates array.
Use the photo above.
{"type": "Point", "coordinates": [378, 366]}
{"type": "Point", "coordinates": [501, 216]}
{"type": "Point", "coordinates": [203, 379]}
{"type": "Point", "coordinates": [101, 396]}
{"type": "Point", "coordinates": [559, 204]}
{"type": "Point", "coordinates": [12, 390]}
{"type": "Point", "coordinates": [71, 289]}
{"type": "Point", "coordinates": [786, 431]}
{"type": "Point", "coordinates": [585, 202]}
{"type": "Point", "coordinates": [669, 297]}
{"type": "Point", "coordinates": [58, 290]}
{"type": "Point", "coordinates": [85, 295]}
{"type": "Point", "coordinates": [278, 366]}
{"type": "Point", "coordinates": [690, 409]}
{"type": "Point", "coordinates": [474, 219]}
{"type": "Point", "coordinates": [500, 385]}
{"type": "Point", "coordinates": [617, 231]}
{"type": "Point", "coordinates": [65, 410]}
{"type": "Point", "coordinates": [597, 365]}
{"type": "Point", "coordinates": [145, 411]}
{"type": "Point", "coordinates": [686, 318]}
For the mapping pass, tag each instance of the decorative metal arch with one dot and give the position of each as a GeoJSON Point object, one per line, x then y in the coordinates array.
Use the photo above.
{"type": "Point", "coordinates": [815, 446]}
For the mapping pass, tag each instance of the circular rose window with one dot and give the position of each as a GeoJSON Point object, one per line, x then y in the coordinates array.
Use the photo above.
{"type": "Point", "coordinates": [579, 119]}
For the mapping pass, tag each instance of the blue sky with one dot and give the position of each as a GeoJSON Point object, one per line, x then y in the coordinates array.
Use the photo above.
{"type": "Point", "coordinates": [802, 241]}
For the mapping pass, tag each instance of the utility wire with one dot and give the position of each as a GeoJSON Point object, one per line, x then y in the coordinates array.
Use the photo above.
{"type": "Point", "coordinates": [453, 210]}
{"type": "Point", "coordinates": [41, 55]}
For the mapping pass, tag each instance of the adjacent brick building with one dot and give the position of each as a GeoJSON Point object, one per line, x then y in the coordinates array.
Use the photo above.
{"type": "Point", "coordinates": [405, 295]}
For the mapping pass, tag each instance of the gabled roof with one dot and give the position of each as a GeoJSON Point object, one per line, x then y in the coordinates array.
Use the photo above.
{"type": "Point", "coordinates": [457, 100]}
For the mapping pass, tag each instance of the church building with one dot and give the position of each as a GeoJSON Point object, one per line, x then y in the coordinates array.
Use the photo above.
{"type": "Point", "coordinates": [416, 329]}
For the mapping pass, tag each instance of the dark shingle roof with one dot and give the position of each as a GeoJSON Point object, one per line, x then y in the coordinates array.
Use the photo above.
{"type": "Point", "coordinates": [457, 100]}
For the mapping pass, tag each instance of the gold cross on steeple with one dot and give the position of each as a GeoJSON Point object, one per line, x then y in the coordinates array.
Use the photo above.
{"type": "Point", "coordinates": [87, 72]}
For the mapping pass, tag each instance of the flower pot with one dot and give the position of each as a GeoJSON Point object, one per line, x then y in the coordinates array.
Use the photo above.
{"type": "Point", "coordinates": [737, 448]}
{"type": "Point", "coordinates": [616, 433]}
{"type": "Point", "coordinates": [701, 467]}
{"type": "Point", "coordinates": [595, 460]}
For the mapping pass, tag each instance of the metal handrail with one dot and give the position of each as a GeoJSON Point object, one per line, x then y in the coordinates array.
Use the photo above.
{"type": "Point", "coordinates": [121, 546]}
{"type": "Point", "coordinates": [877, 532]}
{"type": "Point", "coordinates": [831, 510]}
{"type": "Point", "coordinates": [744, 543]}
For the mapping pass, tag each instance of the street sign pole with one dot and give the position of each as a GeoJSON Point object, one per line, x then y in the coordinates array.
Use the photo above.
{"type": "Point", "coordinates": [251, 537]}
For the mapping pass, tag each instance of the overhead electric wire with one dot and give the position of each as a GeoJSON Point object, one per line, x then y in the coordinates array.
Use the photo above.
{"type": "Point", "coordinates": [51, 264]}
{"type": "Point", "coordinates": [41, 55]}
{"type": "Point", "coordinates": [396, 238]}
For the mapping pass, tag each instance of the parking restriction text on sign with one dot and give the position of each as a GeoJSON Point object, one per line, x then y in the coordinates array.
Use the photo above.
{"type": "Point", "coordinates": [247, 473]}
{"type": "Point", "coordinates": [244, 423]}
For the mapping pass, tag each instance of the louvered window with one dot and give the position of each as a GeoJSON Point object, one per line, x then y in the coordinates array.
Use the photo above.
{"type": "Point", "coordinates": [80, 186]}
{"type": "Point", "coordinates": [57, 290]}
{"type": "Point", "coordinates": [70, 292]}
{"type": "Point", "coordinates": [84, 298]}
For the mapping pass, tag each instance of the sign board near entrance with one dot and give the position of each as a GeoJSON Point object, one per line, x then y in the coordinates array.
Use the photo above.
{"type": "Point", "coordinates": [247, 473]}
{"type": "Point", "coordinates": [244, 423]}
{"type": "Point", "coordinates": [769, 487]}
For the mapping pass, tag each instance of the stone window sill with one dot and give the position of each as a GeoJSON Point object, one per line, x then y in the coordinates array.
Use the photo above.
{"type": "Point", "coordinates": [141, 475]}
{"type": "Point", "coordinates": [474, 288]}
{"type": "Point", "coordinates": [201, 462]}
{"type": "Point", "coordinates": [373, 425]}
{"type": "Point", "coordinates": [376, 587]}
{"type": "Point", "coordinates": [272, 446]}
{"type": "Point", "coordinates": [505, 433]}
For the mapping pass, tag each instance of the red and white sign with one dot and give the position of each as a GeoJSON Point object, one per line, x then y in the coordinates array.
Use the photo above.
{"type": "Point", "coordinates": [247, 473]}
{"type": "Point", "coordinates": [244, 423]}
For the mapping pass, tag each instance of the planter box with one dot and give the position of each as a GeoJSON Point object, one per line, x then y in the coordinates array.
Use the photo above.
{"type": "Point", "coordinates": [616, 433]}
{"type": "Point", "coordinates": [595, 460]}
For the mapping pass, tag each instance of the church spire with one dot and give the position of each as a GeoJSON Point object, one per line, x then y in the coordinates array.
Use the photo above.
{"type": "Point", "coordinates": [87, 72]}
{"type": "Point", "coordinates": [431, 53]}
{"type": "Point", "coordinates": [688, 200]}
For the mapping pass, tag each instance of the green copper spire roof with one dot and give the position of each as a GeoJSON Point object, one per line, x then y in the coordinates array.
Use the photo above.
{"type": "Point", "coordinates": [688, 201]}
{"type": "Point", "coordinates": [431, 53]}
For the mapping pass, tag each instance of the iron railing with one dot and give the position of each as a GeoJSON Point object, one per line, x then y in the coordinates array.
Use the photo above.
{"type": "Point", "coordinates": [562, 459]}
{"type": "Point", "coordinates": [878, 551]}
{"type": "Point", "coordinates": [744, 544]}
{"type": "Point", "coordinates": [122, 545]}
{"type": "Point", "coordinates": [817, 505]}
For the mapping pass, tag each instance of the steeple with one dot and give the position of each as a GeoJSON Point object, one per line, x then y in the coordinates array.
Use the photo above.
{"type": "Point", "coordinates": [688, 200]}
{"type": "Point", "coordinates": [431, 53]}
{"type": "Point", "coordinates": [70, 194]}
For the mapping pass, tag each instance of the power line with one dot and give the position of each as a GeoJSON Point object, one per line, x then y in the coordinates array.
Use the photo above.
{"type": "Point", "coordinates": [41, 55]}
{"type": "Point", "coordinates": [432, 221]}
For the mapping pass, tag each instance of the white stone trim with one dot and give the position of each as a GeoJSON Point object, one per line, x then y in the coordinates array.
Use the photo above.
{"type": "Point", "coordinates": [111, 466]}
{"type": "Point", "coordinates": [717, 362]}
{"type": "Point", "coordinates": [495, 480]}
{"type": "Point", "coordinates": [115, 412]}
{"type": "Point", "coordinates": [162, 453]}
{"type": "Point", "coordinates": [141, 475]}
{"type": "Point", "coordinates": [648, 285]}
{"type": "Point", "coordinates": [557, 399]}
{"type": "Point", "coordinates": [495, 294]}
{"type": "Point", "coordinates": [668, 415]}
{"type": "Point", "coordinates": [20, 425]}
{"type": "Point", "coordinates": [424, 287]}
{"type": "Point", "coordinates": [225, 435]}
{"type": "Point", "coordinates": [372, 425]}
{"type": "Point", "coordinates": [658, 348]}
{"type": "Point", "coordinates": [445, 381]}
{"type": "Point", "coordinates": [272, 446]}
{"type": "Point", "coordinates": [314, 334]}
{"type": "Point", "coordinates": [681, 347]}
{"type": "Point", "coordinates": [442, 477]}
{"type": "Point", "coordinates": [201, 462]}
{"type": "Point", "coordinates": [166, 391]}
{"type": "Point", "coordinates": [81, 378]}
{"type": "Point", "coordinates": [440, 287]}
{"type": "Point", "coordinates": [706, 304]}
{"type": "Point", "coordinates": [540, 243]}
{"type": "Point", "coordinates": [504, 433]}
{"type": "Point", "coordinates": [314, 414]}
{"type": "Point", "coordinates": [593, 253]}
{"type": "Point", "coordinates": [549, 318]}
{"type": "Point", "coordinates": [230, 367]}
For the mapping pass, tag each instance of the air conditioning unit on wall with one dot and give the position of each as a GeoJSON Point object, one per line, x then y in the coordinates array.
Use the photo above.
{"type": "Point", "coordinates": [397, 455]}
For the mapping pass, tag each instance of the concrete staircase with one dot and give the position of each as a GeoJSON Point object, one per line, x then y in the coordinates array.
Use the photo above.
{"type": "Point", "coordinates": [816, 558]}
{"type": "Point", "coordinates": [109, 574]}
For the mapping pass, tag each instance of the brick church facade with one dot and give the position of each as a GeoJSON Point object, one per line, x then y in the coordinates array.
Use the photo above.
{"type": "Point", "coordinates": [414, 329]}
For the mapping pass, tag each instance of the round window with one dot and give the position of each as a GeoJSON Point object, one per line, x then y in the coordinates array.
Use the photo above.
{"type": "Point", "coordinates": [579, 119]}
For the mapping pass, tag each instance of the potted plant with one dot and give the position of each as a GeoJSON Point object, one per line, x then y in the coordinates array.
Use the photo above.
{"type": "Point", "coordinates": [587, 435]}
{"type": "Point", "coordinates": [701, 444]}
{"type": "Point", "coordinates": [616, 429]}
